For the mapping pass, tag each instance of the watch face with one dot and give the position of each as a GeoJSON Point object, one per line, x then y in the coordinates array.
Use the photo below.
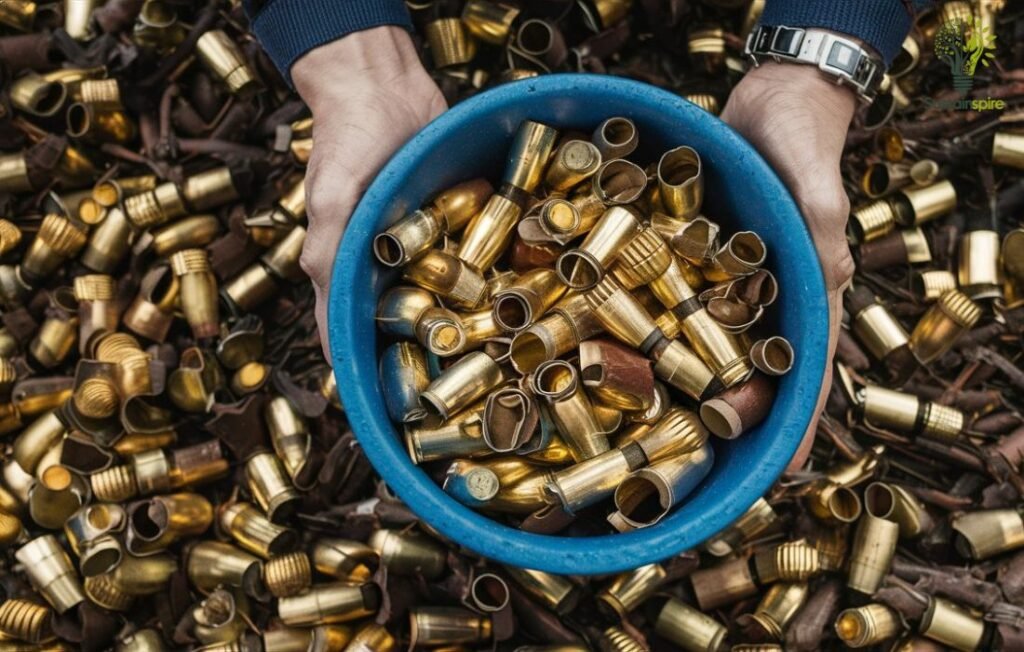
{"type": "Point", "coordinates": [788, 41]}
{"type": "Point", "coordinates": [843, 57]}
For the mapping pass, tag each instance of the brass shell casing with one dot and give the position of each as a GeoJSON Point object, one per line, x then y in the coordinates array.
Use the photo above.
{"type": "Point", "coordinates": [927, 203]}
{"type": "Point", "coordinates": [330, 603]}
{"type": "Point", "coordinates": [489, 21]}
{"type": "Point", "coordinates": [528, 157]}
{"type": "Point", "coordinates": [871, 221]}
{"type": "Point", "coordinates": [213, 563]}
{"type": "Point", "coordinates": [155, 207]}
{"type": "Point", "coordinates": [447, 276]}
{"type": "Point", "coordinates": [459, 204]}
{"type": "Point", "coordinates": [431, 626]}
{"type": "Point", "coordinates": [188, 233]}
{"type": "Point", "coordinates": [688, 628]}
{"type": "Point", "coordinates": [937, 331]}
{"type": "Point", "coordinates": [408, 553]}
{"type": "Point", "coordinates": [253, 532]}
{"type": "Point", "coordinates": [26, 621]}
{"type": "Point", "coordinates": [108, 243]}
{"type": "Point", "coordinates": [778, 606]}
{"type": "Point", "coordinates": [10, 235]}
{"type": "Point", "coordinates": [372, 638]}
{"type": "Point", "coordinates": [399, 310]}
{"type": "Point", "coordinates": [622, 315]}
{"type": "Point", "coordinates": [868, 625]}
{"type": "Point", "coordinates": [723, 584]}
{"type": "Point", "coordinates": [101, 94]}
{"type": "Point", "coordinates": [567, 324]}
{"type": "Point", "coordinates": [143, 640]}
{"type": "Point", "coordinates": [449, 41]}
{"type": "Point", "coordinates": [573, 162]}
{"type": "Point", "coordinates": [632, 588]}
{"type": "Point", "coordinates": [289, 435]}
{"type": "Point", "coordinates": [14, 172]}
{"type": "Point", "coordinates": [758, 516]}
{"type": "Point", "coordinates": [36, 439]}
{"type": "Point", "coordinates": [343, 559]}
{"type": "Point", "coordinates": [288, 575]}
{"type": "Point", "coordinates": [460, 436]}
{"type": "Point", "coordinates": [706, 101]}
{"type": "Point", "coordinates": [50, 572]}
{"type": "Point", "coordinates": [930, 285]}
{"type": "Point", "coordinates": [271, 487]}
{"type": "Point", "coordinates": [648, 494]}
{"type": "Point", "coordinates": [55, 339]}
{"type": "Point", "coordinates": [793, 561]}
{"type": "Point", "coordinates": [1008, 150]}
{"type": "Point", "coordinates": [584, 267]}
{"type": "Point", "coordinates": [57, 240]}
{"type": "Point", "coordinates": [560, 384]}
{"type": "Point", "coordinates": [198, 291]}
{"type": "Point", "coordinates": [37, 95]}
{"type": "Point", "coordinates": [874, 545]}
{"type": "Point", "coordinates": [89, 124]}
{"type": "Point", "coordinates": [594, 479]}
{"type": "Point", "coordinates": [410, 236]}
{"type": "Point", "coordinates": [879, 331]}
{"type": "Point", "coordinates": [615, 639]}
{"type": "Point", "coordinates": [527, 299]}
{"type": "Point", "coordinates": [157, 523]}
{"type": "Point", "coordinates": [615, 138]}
{"type": "Point", "coordinates": [487, 234]}
{"type": "Point", "coordinates": [209, 189]}
{"type": "Point", "coordinates": [102, 590]}
{"type": "Point", "coordinates": [223, 58]}
{"type": "Point", "coordinates": [979, 271]}
{"type": "Point", "coordinates": [952, 625]}
{"type": "Point", "coordinates": [329, 638]}
{"type": "Point", "coordinates": [251, 288]}
{"type": "Point", "coordinates": [557, 592]}
{"type": "Point", "coordinates": [681, 182]}
{"type": "Point", "coordinates": [986, 533]}
{"type": "Point", "coordinates": [680, 367]}
{"type": "Point", "coordinates": [887, 408]}
{"type": "Point", "coordinates": [461, 384]}
{"type": "Point", "coordinates": [470, 484]}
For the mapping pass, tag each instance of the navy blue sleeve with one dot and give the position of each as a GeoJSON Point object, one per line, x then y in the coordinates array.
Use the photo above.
{"type": "Point", "coordinates": [287, 29]}
{"type": "Point", "coordinates": [882, 24]}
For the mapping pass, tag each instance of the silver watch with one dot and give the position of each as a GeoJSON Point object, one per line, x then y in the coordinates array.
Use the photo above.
{"type": "Point", "coordinates": [834, 55]}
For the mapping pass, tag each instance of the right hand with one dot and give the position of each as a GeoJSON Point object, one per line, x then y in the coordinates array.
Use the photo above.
{"type": "Point", "coordinates": [369, 94]}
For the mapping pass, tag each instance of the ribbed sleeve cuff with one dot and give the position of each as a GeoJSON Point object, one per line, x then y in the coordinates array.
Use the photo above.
{"type": "Point", "coordinates": [882, 24]}
{"type": "Point", "coordinates": [287, 29]}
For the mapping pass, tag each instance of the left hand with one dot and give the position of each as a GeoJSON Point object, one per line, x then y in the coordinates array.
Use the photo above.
{"type": "Point", "coordinates": [797, 119]}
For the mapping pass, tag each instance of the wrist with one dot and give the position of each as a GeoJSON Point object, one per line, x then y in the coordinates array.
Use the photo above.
{"type": "Point", "coordinates": [795, 80]}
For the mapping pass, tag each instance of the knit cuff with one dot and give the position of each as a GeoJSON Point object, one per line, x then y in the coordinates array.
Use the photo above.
{"type": "Point", "coordinates": [287, 29]}
{"type": "Point", "coordinates": [882, 24]}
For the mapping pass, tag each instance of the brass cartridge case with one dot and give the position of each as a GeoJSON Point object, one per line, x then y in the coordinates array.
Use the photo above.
{"type": "Point", "coordinates": [36, 439]}
{"type": "Point", "coordinates": [198, 291]}
{"type": "Point", "coordinates": [584, 267]}
{"type": "Point", "coordinates": [139, 576]}
{"type": "Point", "coordinates": [679, 366]}
{"type": "Point", "coordinates": [559, 383]}
{"type": "Point", "coordinates": [572, 163]}
{"type": "Point", "coordinates": [11, 529]}
{"type": "Point", "coordinates": [191, 387]}
{"type": "Point", "coordinates": [793, 561]}
{"type": "Point", "coordinates": [489, 21]}
{"type": "Point", "coordinates": [528, 157]}
{"type": "Point", "coordinates": [157, 523]}
{"type": "Point", "coordinates": [399, 310]}
{"type": "Point", "coordinates": [18, 14]}
{"type": "Point", "coordinates": [101, 94]}
{"type": "Point", "coordinates": [155, 207]}
{"type": "Point", "coordinates": [10, 235]}
{"type": "Point", "coordinates": [952, 625]}
{"type": "Point", "coordinates": [217, 620]}
{"type": "Point", "coordinates": [225, 60]}
{"type": "Point", "coordinates": [623, 316]}
{"type": "Point", "coordinates": [408, 553]}
{"type": "Point", "coordinates": [979, 271]}
{"type": "Point", "coordinates": [916, 205]}
{"type": "Point", "coordinates": [868, 625]}
{"type": "Point", "coordinates": [908, 512]}
{"type": "Point", "coordinates": [986, 533]}
{"type": "Point", "coordinates": [26, 621]}
{"type": "Point", "coordinates": [410, 236]}
{"type": "Point", "coordinates": [470, 484]}
{"type": "Point", "coordinates": [931, 284]}
{"type": "Point", "coordinates": [143, 640]}
{"type": "Point", "coordinates": [1008, 150]}
{"type": "Point", "coordinates": [631, 589]}
{"type": "Point", "coordinates": [617, 377]}
{"type": "Point", "coordinates": [879, 331]}
{"type": "Point", "coordinates": [271, 487]}
{"type": "Point", "coordinates": [55, 339]}
{"type": "Point", "coordinates": [487, 234]}
{"type": "Point", "coordinates": [567, 324]}
{"type": "Point", "coordinates": [289, 435]}
{"type": "Point", "coordinates": [253, 532]}
{"type": "Point", "coordinates": [159, 471]}
{"type": "Point", "coordinates": [592, 480]}
{"type": "Point", "coordinates": [450, 43]}
{"type": "Point", "coordinates": [17, 483]}
{"type": "Point", "coordinates": [461, 384]}
{"type": "Point", "coordinates": [90, 124]}
{"type": "Point", "coordinates": [55, 497]}
{"type": "Point", "coordinates": [741, 255]}
{"type": "Point", "coordinates": [329, 638]}
{"type": "Point", "coordinates": [753, 521]}
{"type": "Point", "coordinates": [833, 503]}
{"type": "Point", "coordinates": [330, 603]}
{"type": "Point", "coordinates": [525, 495]}
{"type": "Point", "coordinates": [188, 233]}
{"type": "Point", "coordinates": [615, 138]}
{"type": "Point", "coordinates": [447, 276]}
{"type": "Point", "coordinates": [97, 306]}
{"type": "Point", "coordinates": [282, 260]}
{"type": "Point", "coordinates": [724, 584]}
{"type": "Point", "coordinates": [874, 545]}
{"type": "Point", "coordinates": [249, 378]}
{"type": "Point", "coordinates": [288, 575]}
{"type": "Point", "coordinates": [441, 332]}
{"type": "Point", "coordinates": [648, 494]}
{"type": "Point", "coordinates": [460, 436]}
{"type": "Point", "coordinates": [56, 241]}
{"type": "Point", "coordinates": [871, 221]}
{"type": "Point", "coordinates": [50, 572]}
{"type": "Point", "coordinates": [102, 590]}
{"type": "Point", "coordinates": [489, 592]}
{"type": "Point", "coordinates": [681, 182]}
{"type": "Point", "coordinates": [209, 189]}
{"type": "Point", "coordinates": [527, 299]}
{"type": "Point", "coordinates": [773, 356]}
{"type": "Point", "coordinates": [78, 18]}
{"type": "Point", "coordinates": [14, 173]}
{"type": "Point", "coordinates": [778, 606]}
{"type": "Point", "coordinates": [461, 203]}
{"type": "Point", "coordinates": [615, 639]}
{"type": "Point", "coordinates": [432, 626]}
{"type": "Point", "coordinates": [372, 638]}
{"type": "Point", "coordinates": [886, 408]}
{"type": "Point", "coordinates": [937, 331]}
{"type": "Point", "coordinates": [688, 628]}
{"type": "Point", "coordinates": [559, 221]}
{"type": "Point", "coordinates": [617, 182]}
{"type": "Point", "coordinates": [108, 243]}
{"type": "Point", "coordinates": [343, 559]}
{"type": "Point", "coordinates": [37, 95]}
{"type": "Point", "coordinates": [210, 564]}
{"type": "Point", "coordinates": [557, 592]}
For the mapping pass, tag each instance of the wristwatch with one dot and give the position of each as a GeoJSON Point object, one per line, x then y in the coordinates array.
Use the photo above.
{"type": "Point", "coordinates": [835, 55]}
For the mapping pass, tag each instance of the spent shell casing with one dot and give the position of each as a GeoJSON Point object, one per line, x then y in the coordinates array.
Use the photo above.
{"type": "Point", "coordinates": [979, 271]}
{"type": "Point", "coordinates": [559, 383]}
{"type": "Point", "coordinates": [490, 22]}
{"type": "Point", "coordinates": [330, 638]}
{"type": "Point", "coordinates": [527, 299]}
{"type": "Point", "coordinates": [50, 572]}
{"type": "Point", "coordinates": [330, 603]}
{"type": "Point", "coordinates": [470, 484]}
{"type": "Point", "coordinates": [615, 639]}
{"type": "Point", "coordinates": [616, 376]}
{"type": "Point", "coordinates": [461, 384]}
{"type": "Point", "coordinates": [102, 590]}
{"type": "Point", "coordinates": [681, 182]}
{"type": "Point", "coordinates": [487, 235]}
{"type": "Point", "coordinates": [679, 366]}
{"type": "Point", "coordinates": [289, 434]}
{"type": "Point", "coordinates": [572, 163]}
{"type": "Point", "coordinates": [151, 313]}
{"type": "Point", "coordinates": [409, 553]}
{"type": "Point", "coordinates": [157, 523]}
{"type": "Point", "coordinates": [404, 376]}
{"type": "Point", "coordinates": [793, 561]}
{"type": "Point", "coordinates": [833, 503]}
{"type": "Point", "coordinates": [874, 326]}
{"type": "Point", "coordinates": [210, 564]}
{"type": "Point", "coordinates": [1008, 149]}
{"type": "Point", "coordinates": [433, 626]}
{"type": "Point", "coordinates": [449, 277]}
{"type": "Point", "coordinates": [756, 519]}
{"type": "Point", "coordinates": [399, 310]}
{"type": "Point", "coordinates": [450, 42]}
{"type": "Point", "coordinates": [723, 584]}
{"type": "Point", "coordinates": [874, 546]}
{"type": "Point", "coordinates": [942, 325]}
{"type": "Point", "coordinates": [460, 436]}
{"type": "Point", "coordinates": [888, 408]}
{"type": "Point", "coordinates": [985, 533]}
{"type": "Point", "coordinates": [199, 299]}
{"type": "Point", "coordinates": [36, 439]}
{"type": "Point", "coordinates": [288, 575]}
{"type": "Point", "coordinates": [253, 532]}
{"type": "Point", "coordinates": [688, 628]}
{"type": "Point", "coordinates": [528, 157]}
{"type": "Point", "coordinates": [557, 592]}
{"type": "Point", "coordinates": [916, 205]}
{"type": "Point", "coordinates": [868, 625]}
{"type": "Point", "coordinates": [222, 57]}
{"type": "Point", "coordinates": [594, 479]}
{"type": "Point", "coordinates": [648, 494]}
{"type": "Point", "coordinates": [143, 640]}
{"type": "Point", "coordinates": [950, 624]}
{"type": "Point", "coordinates": [55, 497]}
{"type": "Point", "coordinates": [410, 236]}
{"type": "Point", "coordinates": [583, 267]}
{"type": "Point", "coordinates": [372, 638]}
{"type": "Point", "coordinates": [632, 588]}
{"type": "Point", "coordinates": [566, 325]}
{"type": "Point", "coordinates": [931, 284]}
{"type": "Point", "coordinates": [272, 487]}
{"type": "Point", "coordinates": [742, 254]}
{"type": "Point", "coordinates": [343, 559]}
{"type": "Point", "coordinates": [57, 240]}
{"type": "Point", "coordinates": [778, 606]}
{"type": "Point", "coordinates": [155, 207]}
{"type": "Point", "coordinates": [616, 138]}
{"type": "Point", "coordinates": [188, 233]}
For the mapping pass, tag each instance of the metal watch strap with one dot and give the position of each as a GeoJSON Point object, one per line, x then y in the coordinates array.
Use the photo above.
{"type": "Point", "coordinates": [835, 55]}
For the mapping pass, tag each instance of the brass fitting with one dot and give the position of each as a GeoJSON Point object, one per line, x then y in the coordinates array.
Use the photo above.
{"type": "Point", "coordinates": [952, 625]}
{"type": "Point", "coordinates": [432, 626]}
{"type": "Point", "coordinates": [450, 43]}
{"type": "Point", "coordinates": [108, 243]}
{"type": "Point", "coordinates": [681, 182]}
{"type": "Point", "coordinates": [833, 503]}
{"type": "Point", "coordinates": [487, 234]}
{"type": "Point", "coordinates": [874, 545]}
{"type": "Point", "coordinates": [343, 559]}
{"type": "Point", "coordinates": [188, 233]}
{"type": "Point", "coordinates": [986, 533]}
{"type": "Point", "coordinates": [868, 625]}
{"type": "Point", "coordinates": [979, 270]}
{"type": "Point", "coordinates": [38, 96]}
{"type": "Point", "coordinates": [155, 207]}
{"type": "Point", "coordinates": [330, 603]}
{"type": "Point", "coordinates": [399, 310]}
{"type": "Point", "coordinates": [225, 60]}
{"type": "Point", "coordinates": [158, 471]}
{"type": "Point", "coordinates": [723, 584]}
{"type": "Point", "coordinates": [559, 383]}
{"type": "Point", "coordinates": [460, 436]}
{"type": "Point", "coordinates": [271, 487]}
{"type": "Point", "coordinates": [198, 292]}
{"type": "Point", "coordinates": [594, 479]}
{"type": "Point", "coordinates": [460, 385]}
{"type": "Point", "coordinates": [448, 277]}
{"type": "Point", "coordinates": [151, 313]}
{"type": "Point", "coordinates": [615, 138]}
{"type": "Point", "coordinates": [688, 628]}
{"type": "Point", "coordinates": [871, 221]}
{"type": "Point", "coordinates": [567, 324]}
{"type": "Point", "coordinates": [101, 94]}
{"type": "Point", "coordinates": [557, 592]}
{"type": "Point", "coordinates": [648, 494]}
{"type": "Point", "coordinates": [26, 621]}
{"type": "Point", "coordinates": [1008, 150]}
{"type": "Point", "coordinates": [758, 516]}
{"type": "Point", "coordinates": [288, 575]}
{"type": "Point", "coordinates": [253, 532]}
{"type": "Point", "coordinates": [930, 285]}
{"type": "Point", "coordinates": [778, 606]}
{"type": "Point", "coordinates": [584, 267]}
{"type": "Point", "coordinates": [289, 435]}
{"type": "Point", "coordinates": [886, 408]}
{"type": "Point", "coordinates": [210, 564]}
{"type": "Point", "coordinates": [403, 376]}
{"type": "Point", "coordinates": [489, 21]}
{"type": "Point", "coordinates": [50, 572]}
{"type": "Point", "coordinates": [56, 241]}
{"type": "Point", "coordinates": [408, 553]}
{"type": "Point", "coordinates": [793, 561]}
{"type": "Point", "coordinates": [471, 484]}
{"type": "Point", "coordinates": [632, 588]}
{"type": "Point", "coordinates": [102, 590]}
{"type": "Point", "coordinates": [572, 163]}
{"type": "Point", "coordinates": [55, 497]}
{"type": "Point", "coordinates": [156, 524]}
{"type": "Point", "coordinates": [527, 299]}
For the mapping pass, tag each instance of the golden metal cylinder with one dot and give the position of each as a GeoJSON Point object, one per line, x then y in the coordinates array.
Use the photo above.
{"type": "Point", "coordinates": [461, 384]}
{"type": "Point", "coordinates": [594, 479]}
{"type": "Point", "coordinates": [778, 606]}
{"type": "Point", "coordinates": [614, 639]}
{"type": "Point", "coordinates": [979, 271]}
{"type": "Point", "coordinates": [631, 589]}
{"type": "Point", "coordinates": [449, 41]}
{"type": "Point", "coordinates": [986, 533]}
{"type": "Point", "coordinates": [489, 21]}
{"type": "Point", "coordinates": [527, 299]}
{"type": "Point", "coordinates": [486, 236]}
{"type": "Point", "coordinates": [410, 236]}
{"type": "Point", "coordinates": [408, 553]}
{"type": "Point", "coordinates": [223, 58]}
{"type": "Point", "coordinates": [648, 494]}
{"type": "Point", "coordinates": [558, 593]}
{"type": "Point", "coordinates": [931, 284]}
{"type": "Point", "coordinates": [681, 182]}
{"type": "Point", "coordinates": [567, 324]}
{"type": "Point", "coordinates": [289, 435]}
{"type": "Point", "coordinates": [156, 524]}
{"type": "Point", "coordinates": [528, 157]}
{"type": "Point", "coordinates": [871, 221]}
{"type": "Point", "coordinates": [36, 439]}
{"type": "Point", "coordinates": [102, 590]}
{"type": "Point", "coordinates": [952, 625]}
{"type": "Point", "coordinates": [447, 276]}
{"type": "Point", "coordinates": [213, 563]}
{"type": "Point", "coordinates": [198, 291]}
{"type": "Point", "coordinates": [688, 628]}
{"type": "Point", "coordinates": [920, 204]}
{"type": "Point", "coordinates": [793, 561]}
{"type": "Point", "coordinates": [155, 207]}
{"type": "Point", "coordinates": [57, 240]}
{"type": "Point", "coordinates": [584, 267]}
{"type": "Point", "coordinates": [343, 559]}
{"type": "Point", "coordinates": [271, 487]}
{"type": "Point", "coordinates": [1008, 150]}
{"type": "Point", "coordinates": [55, 497]}
{"type": "Point", "coordinates": [25, 621]}
{"type": "Point", "coordinates": [573, 162]}
{"type": "Point", "coordinates": [559, 383]}
{"type": "Point", "coordinates": [37, 95]}
{"type": "Point", "coordinates": [879, 331]}
{"type": "Point", "coordinates": [874, 545]}
{"type": "Point", "coordinates": [372, 638]}
{"type": "Point", "coordinates": [50, 572]}
{"type": "Point", "coordinates": [460, 436]}
{"type": "Point", "coordinates": [330, 603]}
{"type": "Point", "coordinates": [616, 137]}
{"type": "Point", "coordinates": [432, 626]}
{"type": "Point", "coordinates": [18, 14]}
{"type": "Point", "coordinates": [868, 625]}
{"type": "Point", "coordinates": [753, 521]}
{"type": "Point", "coordinates": [288, 575]}
{"type": "Point", "coordinates": [253, 532]}
{"type": "Point", "coordinates": [723, 584]}
{"type": "Point", "coordinates": [14, 173]}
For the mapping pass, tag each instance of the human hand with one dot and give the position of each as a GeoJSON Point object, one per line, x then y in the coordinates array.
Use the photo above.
{"type": "Point", "coordinates": [797, 119]}
{"type": "Point", "coordinates": [369, 94]}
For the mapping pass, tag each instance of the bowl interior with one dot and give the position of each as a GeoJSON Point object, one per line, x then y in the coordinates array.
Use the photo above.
{"type": "Point", "coordinates": [472, 139]}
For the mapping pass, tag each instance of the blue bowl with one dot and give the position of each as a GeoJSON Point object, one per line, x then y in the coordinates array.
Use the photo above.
{"type": "Point", "coordinates": [742, 192]}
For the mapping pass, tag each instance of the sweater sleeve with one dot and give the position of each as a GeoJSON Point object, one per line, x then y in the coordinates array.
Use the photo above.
{"type": "Point", "coordinates": [287, 29]}
{"type": "Point", "coordinates": [882, 24]}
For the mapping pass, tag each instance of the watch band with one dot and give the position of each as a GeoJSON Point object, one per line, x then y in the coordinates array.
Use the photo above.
{"type": "Point", "coordinates": [835, 55]}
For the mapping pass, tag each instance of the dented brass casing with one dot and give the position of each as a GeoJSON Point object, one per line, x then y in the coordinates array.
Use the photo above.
{"type": "Point", "coordinates": [648, 494]}
{"type": "Point", "coordinates": [56, 495]}
{"type": "Point", "coordinates": [155, 524]}
{"type": "Point", "coordinates": [461, 384]}
{"type": "Point", "coordinates": [689, 628]}
{"type": "Point", "coordinates": [253, 532]}
{"type": "Point", "coordinates": [567, 324]}
{"type": "Point", "coordinates": [223, 58]}
{"type": "Point", "coordinates": [725, 583]}
{"type": "Point", "coordinates": [210, 564]}
{"type": "Point", "coordinates": [460, 436]}
{"type": "Point", "coordinates": [408, 553]}
{"type": "Point", "coordinates": [952, 625]}
{"type": "Point", "coordinates": [343, 559]}
{"type": "Point", "coordinates": [632, 588]}
{"type": "Point", "coordinates": [57, 240]}
{"type": "Point", "coordinates": [188, 233]}
{"type": "Point", "coordinates": [447, 276]}
{"type": "Point", "coordinates": [594, 479]}
{"type": "Point", "coordinates": [560, 384]}
{"type": "Point", "coordinates": [986, 533]}
{"type": "Point", "coordinates": [778, 606]}
{"type": "Point", "coordinates": [50, 571]}
{"type": "Point", "coordinates": [681, 182]}
{"type": "Point", "coordinates": [489, 21]}
{"type": "Point", "coordinates": [584, 267]}
{"type": "Point", "coordinates": [109, 242]}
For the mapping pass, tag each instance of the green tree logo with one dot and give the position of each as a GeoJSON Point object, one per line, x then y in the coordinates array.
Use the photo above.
{"type": "Point", "coordinates": [962, 45]}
